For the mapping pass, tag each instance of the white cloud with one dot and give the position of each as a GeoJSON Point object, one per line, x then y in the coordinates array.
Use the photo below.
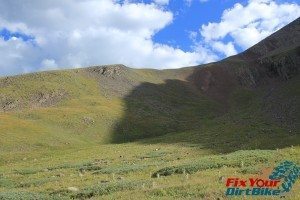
{"type": "Point", "coordinates": [76, 33]}
{"type": "Point", "coordinates": [226, 49]}
{"type": "Point", "coordinates": [15, 51]}
{"type": "Point", "coordinates": [193, 35]}
{"type": "Point", "coordinates": [249, 24]}
{"type": "Point", "coordinates": [48, 64]}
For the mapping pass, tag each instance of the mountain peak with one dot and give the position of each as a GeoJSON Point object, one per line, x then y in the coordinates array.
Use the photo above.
{"type": "Point", "coordinates": [284, 39]}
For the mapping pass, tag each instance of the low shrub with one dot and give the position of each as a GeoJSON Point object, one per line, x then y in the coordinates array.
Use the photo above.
{"type": "Point", "coordinates": [236, 159]}
{"type": "Point", "coordinates": [20, 195]}
{"type": "Point", "coordinates": [108, 188]}
{"type": "Point", "coordinates": [121, 169]}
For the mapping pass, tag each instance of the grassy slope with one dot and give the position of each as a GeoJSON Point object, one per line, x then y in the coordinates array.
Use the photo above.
{"type": "Point", "coordinates": [43, 151]}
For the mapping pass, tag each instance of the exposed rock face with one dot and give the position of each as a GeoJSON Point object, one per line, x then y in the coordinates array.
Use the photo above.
{"type": "Point", "coordinates": [286, 38]}
{"type": "Point", "coordinates": [205, 80]}
{"type": "Point", "coordinates": [113, 79]}
{"type": "Point", "coordinates": [248, 77]}
{"type": "Point", "coordinates": [271, 62]}
{"type": "Point", "coordinates": [7, 104]}
{"type": "Point", "coordinates": [111, 71]}
{"type": "Point", "coordinates": [284, 67]}
{"type": "Point", "coordinates": [42, 99]}
{"type": "Point", "coordinates": [215, 81]}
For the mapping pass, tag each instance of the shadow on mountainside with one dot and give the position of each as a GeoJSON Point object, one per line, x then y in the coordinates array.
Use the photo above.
{"type": "Point", "coordinates": [210, 110]}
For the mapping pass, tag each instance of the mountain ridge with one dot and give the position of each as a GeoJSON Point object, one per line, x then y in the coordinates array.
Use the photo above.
{"type": "Point", "coordinates": [214, 85]}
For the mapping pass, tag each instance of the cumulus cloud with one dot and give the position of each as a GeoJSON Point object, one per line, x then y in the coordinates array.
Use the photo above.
{"type": "Point", "coordinates": [249, 24]}
{"type": "Point", "coordinates": [76, 33]}
{"type": "Point", "coordinates": [226, 49]}
{"type": "Point", "coordinates": [48, 64]}
{"type": "Point", "coordinates": [14, 52]}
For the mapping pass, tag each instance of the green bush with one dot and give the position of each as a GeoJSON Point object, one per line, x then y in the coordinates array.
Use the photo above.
{"type": "Point", "coordinates": [108, 188]}
{"type": "Point", "coordinates": [236, 159]}
{"type": "Point", "coordinates": [121, 169]}
{"type": "Point", "coordinates": [27, 171]}
{"type": "Point", "coordinates": [19, 195]}
{"type": "Point", "coordinates": [6, 183]}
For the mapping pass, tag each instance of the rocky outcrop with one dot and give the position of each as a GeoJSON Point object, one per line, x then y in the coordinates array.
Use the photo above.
{"type": "Point", "coordinates": [286, 38]}
{"type": "Point", "coordinates": [110, 71]}
{"type": "Point", "coordinates": [40, 99]}
{"type": "Point", "coordinates": [284, 67]}
{"type": "Point", "coordinates": [7, 104]}
{"type": "Point", "coordinates": [248, 77]}
{"type": "Point", "coordinates": [43, 99]}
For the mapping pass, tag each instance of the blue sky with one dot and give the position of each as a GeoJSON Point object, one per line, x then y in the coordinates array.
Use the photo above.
{"type": "Point", "coordinates": [51, 34]}
{"type": "Point", "coordinates": [190, 18]}
{"type": "Point", "coordinates": [7, 34]}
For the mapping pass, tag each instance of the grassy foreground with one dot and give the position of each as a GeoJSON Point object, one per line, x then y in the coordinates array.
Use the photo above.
{"type": "Point", "coordinates": [126, 171]}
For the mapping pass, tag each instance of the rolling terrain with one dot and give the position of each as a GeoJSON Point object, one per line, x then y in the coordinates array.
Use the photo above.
{"type": "Point", "coordinates": [110, 132]}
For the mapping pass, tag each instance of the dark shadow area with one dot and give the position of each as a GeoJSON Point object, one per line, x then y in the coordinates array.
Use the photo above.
{"type": "Point", "coordinates": [156, 109]}
{"type": "Point", "coordinates": [205, 112]}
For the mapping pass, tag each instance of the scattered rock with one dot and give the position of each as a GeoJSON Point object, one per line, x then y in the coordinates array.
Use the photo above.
{"type": "Point", "coordinates": [111, 71]}
{"type": "Point", "coordinates": [49, 98]}
{"type": "Point", "coordinates": [73, 189]}
{"type": "Point", "coordinates": [9, 104]}
{"type": "Point", "coordinates": [60, 175]}
{"type": "Point", "coordinates": [88, 120]}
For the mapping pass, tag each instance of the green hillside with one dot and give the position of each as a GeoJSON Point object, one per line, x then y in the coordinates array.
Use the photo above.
{"type": "Point", "coordinates": [106, 132]}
